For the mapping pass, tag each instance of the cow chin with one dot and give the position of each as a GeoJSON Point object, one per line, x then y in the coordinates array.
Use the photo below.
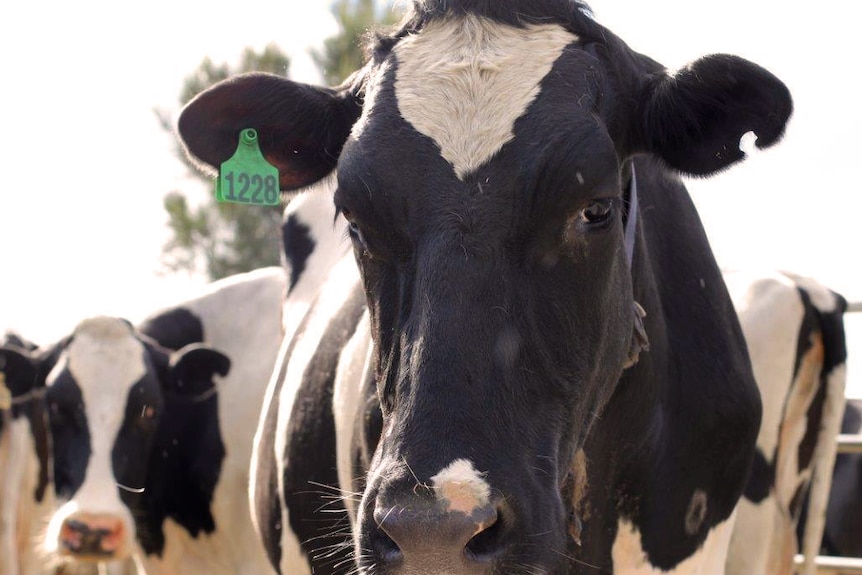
{"type": "Point", "coordinates": [77, 534]}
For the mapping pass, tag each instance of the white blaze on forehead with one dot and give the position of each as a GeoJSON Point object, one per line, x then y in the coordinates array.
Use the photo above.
{"type": "Point", "coordinates": [461, 487]}
{"type": "Point", "coordinates": [463, 82]}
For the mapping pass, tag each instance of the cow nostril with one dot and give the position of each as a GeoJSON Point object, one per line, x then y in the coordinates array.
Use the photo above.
{"type": "Point", "coordinates": [486, 543]}
{"type": "Point", "coordinates": [412, 535]}
{"type": "Point", "coordinates": [386, 548]}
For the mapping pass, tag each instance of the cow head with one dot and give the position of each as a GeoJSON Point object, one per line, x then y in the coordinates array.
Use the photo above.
{"type": "Point", "coordinates": [109, 394]}
{"type": "Point", "coordinates": [483, 160]}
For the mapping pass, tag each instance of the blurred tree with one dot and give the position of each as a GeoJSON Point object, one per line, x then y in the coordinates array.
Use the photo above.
{"type": "Point", "coordinates": [224, 239]}
{"type": "Point", "coordinates": [221, 239]}
{"type": "Point", "coordinates": [342, 54]}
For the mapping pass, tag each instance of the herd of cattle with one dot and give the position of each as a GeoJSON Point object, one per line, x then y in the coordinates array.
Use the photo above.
{"type": "Point", "coordinates": [500, 343]}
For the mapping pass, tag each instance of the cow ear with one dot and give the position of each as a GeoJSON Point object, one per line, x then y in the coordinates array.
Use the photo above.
{"type": "Point", "coordinates": [694, 120]}
{"type": "Point", "coordinates": [192, 369]}
{"type": "Point", "coordinates": [18, 370]}
{"type": "Point", "coordinates": [301, 128]}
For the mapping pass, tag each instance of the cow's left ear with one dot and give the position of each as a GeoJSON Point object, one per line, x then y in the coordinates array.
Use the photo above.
{"type": "Point", "coordinates": [20, 373]}
{"type": "Point", "coordinates": [694, 120]}
{"type": "Point", "coordinates": [301, 128]}
{"type": "Point", "coordinates": [192, 369]}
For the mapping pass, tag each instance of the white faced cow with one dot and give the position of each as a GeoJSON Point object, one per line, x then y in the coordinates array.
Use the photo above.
{"type": "Point", "coordinates": [151, 447]}
{"type": "Point", "coordinates": [795, 334]}
{"type": "Point", "coordinates": [481, 383]}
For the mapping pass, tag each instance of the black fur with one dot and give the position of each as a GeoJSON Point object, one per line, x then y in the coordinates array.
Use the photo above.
{"type": "Point", "coordinates": [502, 321]}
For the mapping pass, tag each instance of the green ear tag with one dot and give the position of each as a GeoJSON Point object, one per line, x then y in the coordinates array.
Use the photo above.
{"type": "Point", "coordinates": [247, 178]}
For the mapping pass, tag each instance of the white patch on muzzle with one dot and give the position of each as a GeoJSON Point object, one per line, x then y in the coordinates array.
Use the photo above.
{"type": "Point", "coordinates": [464, 82]}
{"type": "Point", "coordinates": [461, 488]}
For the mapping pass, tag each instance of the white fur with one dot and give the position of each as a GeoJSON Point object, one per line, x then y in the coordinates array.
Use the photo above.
{"type": "Point", "coordinates": [824, 462]}
{"type": "Point", "coordinates": [343, 277]}
{"type": "Point", "coordinates": [315, 209]}
{"type": "Point", "coordinates": [348, 406]}
{"type": "Point", "coordinates": [21, 517]}
{"type": "Point", "coordinates": [463, 82]}
{"type": "Point", "coordinates": [629, 557]}
{"type": "Point", "coordinates": [770, 312]}
{"type": "Point", "coordinates": [460, 487]}
{"type": "Point", "coordinates": [106, 361]}
{"type": "Point", "coordinates": [241, 316]}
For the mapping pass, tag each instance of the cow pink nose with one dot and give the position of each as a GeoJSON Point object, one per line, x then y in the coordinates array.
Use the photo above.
{"type": "Point", "coordinates": [92, 536]}
{"type": "Point", "coordinates": [418, 535]}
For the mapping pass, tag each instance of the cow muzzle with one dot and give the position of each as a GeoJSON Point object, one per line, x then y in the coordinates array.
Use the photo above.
{"type": "Point", "coordinates": [93, 537]}
{"type": "Point", "coordinates": [413, 537]}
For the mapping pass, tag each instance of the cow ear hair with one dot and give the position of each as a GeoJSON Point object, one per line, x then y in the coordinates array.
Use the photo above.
{"type": "Point", "coordinates": [192, 368]}
{"type": "Point", "coordinates": [301, 128]}
{"type": "Point", "coordinates": [694, 120]}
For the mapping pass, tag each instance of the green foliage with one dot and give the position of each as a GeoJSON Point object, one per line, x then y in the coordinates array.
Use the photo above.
{"type": "Point", "coordinates": [342, 54]}
{"type": "Point", "coordinates": [212, 238]}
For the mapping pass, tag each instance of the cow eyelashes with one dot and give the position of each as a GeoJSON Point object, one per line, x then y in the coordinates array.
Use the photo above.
{"type": "Point", "coordinates": [598, 211]}
{"type": "Point", "coordinates": [353, 230]}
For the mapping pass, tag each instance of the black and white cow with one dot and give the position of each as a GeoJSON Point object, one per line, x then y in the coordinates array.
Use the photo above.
{"type": "Point", "coordinates": [478, 396]}
{"type": "Point", "coordinates": [25, 470]}
{"type": "Point", "coordinates": [794, 329]}
{"type": "Point", "coordinates": [241, 316]}
{"type": "Point", "coordinates": [114, 402]}
{"type": "Point", "coordinates": [843, 533]}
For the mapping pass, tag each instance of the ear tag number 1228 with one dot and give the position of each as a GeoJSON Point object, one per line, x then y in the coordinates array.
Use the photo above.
{"type": "Point", "coordinates": [247, 178]}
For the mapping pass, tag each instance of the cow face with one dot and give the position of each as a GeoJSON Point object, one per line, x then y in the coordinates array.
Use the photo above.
{"type": "Point", "coordinates": [483, 162]}
{"type": "Point", "coordinates": [107, 396]}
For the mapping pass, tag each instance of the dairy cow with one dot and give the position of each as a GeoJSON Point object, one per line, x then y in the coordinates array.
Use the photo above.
{"type": "Point", "coordinates": [530, 363]}
{"type": "Point", "coordinates": [843, 529]}
{"type": "Point", "coordinates": [241, 316]}
{"type": "Point", "coordinates": [25, 466]}
{"type": "Point", "coordinates": [183, 507]}
{"type": "Point", "coordinates": [795, 334]}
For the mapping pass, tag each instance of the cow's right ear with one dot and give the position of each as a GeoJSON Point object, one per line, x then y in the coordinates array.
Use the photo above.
{"type": "Point", "coordinates": [301, 128]}
{"type": "Point", "coordinates": [192, 369]}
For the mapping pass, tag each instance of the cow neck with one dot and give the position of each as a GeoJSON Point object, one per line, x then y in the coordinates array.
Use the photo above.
{"type": "Point", "coordinates": [630, 217]}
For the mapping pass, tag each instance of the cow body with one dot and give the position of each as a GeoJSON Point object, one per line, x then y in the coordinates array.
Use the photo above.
{"type": "Point", "coordinates": [525, 374]}
{"type": "Point", "coordinates": [795, 334]}
{"type": "Point", "coordinates": [241, 316]}
{"type": "Point", "coordinates": [25, 473]}
{"type": "Point", "coordinates": [843, 532]}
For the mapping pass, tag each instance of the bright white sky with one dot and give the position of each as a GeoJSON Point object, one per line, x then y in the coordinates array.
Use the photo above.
{"type": "Point", "coordinates": [85, 164]}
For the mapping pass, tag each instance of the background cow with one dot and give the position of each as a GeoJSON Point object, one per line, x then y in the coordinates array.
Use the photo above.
{"type": "Point", "coordinates": [193, 514]}
{"type": "Point", "coordinates": [25, 469]}
{"type": "Point", "coordinates": [241, 315]}
{"type": "Point", "coordinates": [843, 534]}
{"type": "Point", "coordinates": [795, 334]}
{"type": "Point", "coordinates": [508, 417]}
{"type": "Point", "coordinates": [111, 397]}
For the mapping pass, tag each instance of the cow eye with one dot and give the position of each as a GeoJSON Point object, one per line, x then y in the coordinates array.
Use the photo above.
{"type": "Point", "coordinates": [353, 229]}
{"type": "Point", "coordinates": [598, 212]}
